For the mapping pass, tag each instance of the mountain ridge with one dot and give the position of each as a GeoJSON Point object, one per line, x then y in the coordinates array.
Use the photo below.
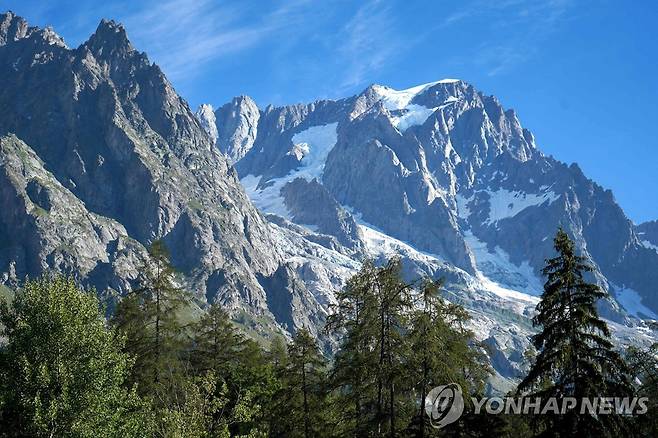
{"type": "Point", "coordinates": [110, 133]}
{"type": "Point", "coordinates": [99, 157]}
{"type": "Point", "coordinates": [402, 118]}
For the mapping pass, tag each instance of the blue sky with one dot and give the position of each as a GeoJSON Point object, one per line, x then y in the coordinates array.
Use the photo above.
{"type": "Point", "coordinates": [582, 74]}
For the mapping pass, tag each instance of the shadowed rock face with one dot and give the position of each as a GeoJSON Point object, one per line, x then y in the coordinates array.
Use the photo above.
{"type": "Point", "coordinates": [311, 203]}
{"type": "Point", "coordinates": [648, 232]}
{"type": "Point", "coordinates": [100, 156]}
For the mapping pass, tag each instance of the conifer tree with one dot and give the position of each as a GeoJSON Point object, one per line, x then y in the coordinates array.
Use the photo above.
{"type": "Point", "coordinates": [643, 364]}
{"type": "Point", "coordinates": [442, 352]}
{"type": "Point", "coordinates": [238, 368]}
{"type": "Point", "coordinates": [393, 300]}
{"type": "Point", "coordinates": [301, 403]}
{"type": "Point", "coordinates": [149, 318]}
{"type": "Point", "coordinates": [278, 355]}
{"type": "Point", "coordinates": [217, 344]}
{"type": "Point", "coordinates": [354, 319]}
{"type": "Point", "coordinates": [370, 372]}
{"type": "Point", "coordinates": [575, 355]}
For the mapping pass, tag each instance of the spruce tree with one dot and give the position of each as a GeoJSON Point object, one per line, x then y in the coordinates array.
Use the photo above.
{"type": "Point", "coordinates": [301, 408]}
{"type": "Point", "coordinates": [442, 351]}
{"type": "Point", "coordinates": [370, 374]}
{"type": "Point", "coordinates": [575, 355]}
{"type": "Point", "coordinates": [149, 318]}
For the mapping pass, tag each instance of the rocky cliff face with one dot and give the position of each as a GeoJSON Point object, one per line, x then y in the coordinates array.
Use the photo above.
{"type": "Point", "coordinates": [99, 157]}
{"type": "Point", "coordinates": [449, 179]}
{"type": "Point", "coordinates": [238, 120]}
{"type": "Point", "coordinates": [648, 233]}
{"type": "Point", "coordinates": [452, 173]}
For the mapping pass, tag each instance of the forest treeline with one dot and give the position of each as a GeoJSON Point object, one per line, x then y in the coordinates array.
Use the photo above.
{"type": "Point", "coordinates": [67, 370]}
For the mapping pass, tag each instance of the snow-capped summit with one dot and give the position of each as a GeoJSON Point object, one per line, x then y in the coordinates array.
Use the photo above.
{"type": "Point", "coordinates": [449, 179]}
{"type": "Point", "coordinates": [440, 166]}
{"type": "Point", "coordinates": [405, 113]}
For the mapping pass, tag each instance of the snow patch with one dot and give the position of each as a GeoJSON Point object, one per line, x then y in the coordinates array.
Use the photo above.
{"type": "Point", "coordinates": [414, 115]}
{"type": "Point", "coordinates": [400, 101]}
{"type": "Point", "coordinates": [311, 147]}
{"type": "Point", "coordinates": [649, 245]}
{"type": "Point", "coordinates": [463, 211]}
{"type": "Point", "coordinates": [504, 292]}
{"type": "Point", "coordinates": [499, 269]}
{"type": "Point", "coordinates": [379, 243]}
{"type": "Point", "coordinates": [632, 302]}
{"type": "Point", "coordinates": [316, 142]}
{"type": "Point", "coordinates": [267, 199]}
{"type": "Point", "coordinates": [505, 204]}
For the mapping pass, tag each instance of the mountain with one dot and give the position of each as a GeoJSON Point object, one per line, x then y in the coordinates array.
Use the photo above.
{"type": "Point", "coordinates": [99, 156]}
{"type": "Point", "coordinates": [269, 211]}
{"type": "Point", "coordinates": [447, 177]}
{"type": "Point", "coordinates": [648, 234]}
{"type": "Point", "coordinates": [450, 171]}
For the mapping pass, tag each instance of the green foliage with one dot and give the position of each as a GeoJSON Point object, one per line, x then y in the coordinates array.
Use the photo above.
{"type": "Point", "coordinates": [301, 402]}
{"type": "Point", "coordinates": [62, 369]}
{"type": "Point", "coordinates": [63, 372]}
{"type": "Point", "coordinates": [240, 372]}
{"type": "Point", "coordinates": [575, 355]}
{"type": "Point", "coordinates": [443, 352]}
{"type": "Point", "coordinates": [393, 352]}
{"type": "Point", "coordinates": [148, 318]}
{"type": "Point", "coordinates": [643, 364]}
{"type": "Point", "coordinates": [6, 294]}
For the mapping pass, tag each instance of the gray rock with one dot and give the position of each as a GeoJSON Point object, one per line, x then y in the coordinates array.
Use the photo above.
{"type": "Point", "coordinates": [206, 116]}
{"type": "Point", "coordinates": [105, 157]}
{"type": "Point", "coordinates": [238, 122]}
{"type": "Point", "coordinates": [311, 203]}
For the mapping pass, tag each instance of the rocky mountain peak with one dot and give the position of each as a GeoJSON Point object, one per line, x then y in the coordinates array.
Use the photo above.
{"type": "Point", "coordinates": [238, 127]}
{"type": "Point", "coordinates": [12, 27]}
{"type": "Point", "coordinates": [109, 40]}
{"type": "Point", "coordinates": [102, 156]}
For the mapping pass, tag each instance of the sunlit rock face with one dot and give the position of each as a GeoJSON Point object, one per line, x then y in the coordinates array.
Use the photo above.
{"type": "Point", "coordinates": [100, 157]}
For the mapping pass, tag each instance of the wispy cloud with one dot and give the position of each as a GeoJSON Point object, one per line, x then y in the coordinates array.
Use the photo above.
{"type": "Point", "coordinates": [367, 43]}
{"type": "Point", "coordinates": [517, 27]}
{"type": "Point", "coordinates": [184, 36]}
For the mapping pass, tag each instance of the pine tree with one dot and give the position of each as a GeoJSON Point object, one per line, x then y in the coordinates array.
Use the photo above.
{"type": "Point", "coordinates": [443, 352]}
{"type": "Point", "coordinates": [575, 355]}
{"type": "Point", "coordinates": [354, 319]}
{"type": "Point", "coordinates": [149, 318]}
{"type": "Point", "coordinates": [301, 403]}
{"type": "Point", "coordinates": [238, 368]}
{"type": "Point", "coordinates": [370, 371]}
